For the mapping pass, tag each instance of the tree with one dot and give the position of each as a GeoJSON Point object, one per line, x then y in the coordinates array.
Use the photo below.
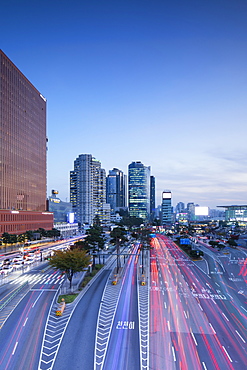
{"type": "Point", "coordinates": [70, 262]}
{"type": "Point", "coordinates": [213, 243]}
{"type": "Point", "coordinates": [13, 239]}
{"type": "Point", "coordinates": [118, 237]}
{"type": "Point", "coordinates": [6, 239]}
{"type": "Point", "coordinates": [80, 244]}
{"type": "Point", "coordinates": [232, 243]}
{"type": "Point", "coordinates": [53, 233]}
{"type": "Point", "coordinates": [21, 238]}
{"type": "Point", "coordinates": [94, 239]}
{"type": "Point", "coordinates": [131, 222]}
{"type": "Point", "coordinates": [29, 235]}
{"type": "Point", "coordinates": [144, 237]}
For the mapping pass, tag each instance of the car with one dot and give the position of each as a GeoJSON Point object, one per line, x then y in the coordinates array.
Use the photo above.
{"type": "Point", "coordinates": [17, 265]}
{"type": "Point", "coordinates": [6, 270]}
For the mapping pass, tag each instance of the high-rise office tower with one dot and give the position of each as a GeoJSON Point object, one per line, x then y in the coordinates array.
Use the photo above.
{"type": "Point", "coordinates": [152, 198]}
{"type": "Point", "coordinates": [116, 189]}
{"type": "Point", "coordinates": [166, 207]}
{"type": "Point", "coordinates": [191, 211]}
{"type": "Point", "coordinates": [22, 153]}
{"type": "Point", "coordinates": [180, 207]}
{"type": "Point", "coordinates": [139, 190]}
{"type": "Point", "coordinates": [87, 189]}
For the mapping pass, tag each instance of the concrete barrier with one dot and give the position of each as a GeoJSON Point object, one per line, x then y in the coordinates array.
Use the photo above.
{"type": "Point", "coordinates": [60, 308]}
{"type": "Point", "coordinates": [115, 280]}
{"type": "Point", "coordinates": [143, 280]}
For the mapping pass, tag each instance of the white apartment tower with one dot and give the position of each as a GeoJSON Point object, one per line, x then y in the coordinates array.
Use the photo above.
{"type": "Point", "coordinates": [87, 189]}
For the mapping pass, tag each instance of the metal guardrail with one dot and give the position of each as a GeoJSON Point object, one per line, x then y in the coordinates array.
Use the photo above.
{"type": "Point", "coordinates": [12, 296]}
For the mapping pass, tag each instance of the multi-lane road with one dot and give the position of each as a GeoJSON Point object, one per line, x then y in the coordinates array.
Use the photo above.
{"type": "Point", "coordinates": [188, 315]}
{"type": "Point", "coordinates": [197, 319]}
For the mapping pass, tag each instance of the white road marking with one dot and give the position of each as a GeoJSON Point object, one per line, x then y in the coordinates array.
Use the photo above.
{"type": "Point", "coordinates": [240, 336]}
{"type": "Point", "coordinates": [173, 353]}
{"type": "Point", "coordinates": [212, 328]}
{"type": "Point", "coordinates": [14, 348]}
{"type": "Point", "coordinates": [25, 321]}
{"type": "Point", "coordinates": [227, 353]}
{"type": "Point", "coordinates": [37, 299]}
{"type": "Point", "coordinates": [225, 316]}
{"type": "Point", "coordinates": [193, 338]}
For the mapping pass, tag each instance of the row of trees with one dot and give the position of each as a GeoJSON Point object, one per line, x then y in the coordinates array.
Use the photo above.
{"type": "Point", "coordinates": [78, 256]}
{"type": "Point", "coordinates": [195, 254]}
{"type": "Point", "coordinates": [29, 235]}
{"type": "Point", "coordinates": [217, 244]}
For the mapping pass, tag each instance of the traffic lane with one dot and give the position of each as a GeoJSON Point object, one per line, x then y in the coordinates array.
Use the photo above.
{"type": "Point", "coordinates": [77, 347]}
{"type": "Point", "coordinates": [18, 279]}
{"type": "Point", "coordinates": [22, 334]}
{"type": "Point", "coordinates": [124, 342]}
{"type": "Point", "coordinates": [160, 353]}
{"type": "Point", "coordinates": [227, 326]}
{"type": "Point", "coordinates": [39, 279]}
{"type": "Point", "coordinates": [202, 333]}
{"type": "Point", "coordinates": [174, 320]}
{"type": "Point", "coordinates": [228, 291]}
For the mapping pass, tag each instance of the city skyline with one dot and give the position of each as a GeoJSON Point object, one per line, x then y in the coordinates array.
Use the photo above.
{"type": "Point", "coordinates": [160, 83]}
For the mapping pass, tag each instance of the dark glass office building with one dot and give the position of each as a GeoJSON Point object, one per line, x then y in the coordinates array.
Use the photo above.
{"type": "Point", "coordinates": [116, 189]}
{"type": "Point", "coordinates": [166, 207]}
{"type": "Point", "coordinates": [22, 149]}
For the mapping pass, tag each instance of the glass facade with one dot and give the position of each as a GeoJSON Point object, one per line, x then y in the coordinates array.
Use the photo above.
{"type": "Point", "coordinates": [139, 190]}
{"type": "Point", "coordinates": [166, 207]}
{"type": "Point", "coordinates": [60, 209]}
{"type": "Point", "coordinates": [115, 189]}
{"type": "Point", "coordinates": [152, 198]}
{"type": "Point", "coordinates": [22, 141]}
{"type": "Point", "coordinates": [235, 213]}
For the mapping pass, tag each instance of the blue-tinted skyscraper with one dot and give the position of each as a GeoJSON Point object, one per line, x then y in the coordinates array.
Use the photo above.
{"type": "Point", "coordinates": [116, 189]}
{"type": "Point", "coordinates": [152, 198]}
{"type": "Point", "coordinates": [139, 190]}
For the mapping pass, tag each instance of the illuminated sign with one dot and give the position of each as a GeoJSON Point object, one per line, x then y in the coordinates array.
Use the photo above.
{"type": "Point", "coordinates": [167, 195]}
{"type": "Point", "coordinates": [71, 218]}
{"type": "Point", "coordinates": [55, 200]}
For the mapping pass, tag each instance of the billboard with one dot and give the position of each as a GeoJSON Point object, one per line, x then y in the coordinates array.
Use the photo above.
{"type": "Point", "coordinates": [70, 218]}
{"type": "Point", "coordinates": [166, 195]}
{"type": "Point", "coordinates": [201, 211]}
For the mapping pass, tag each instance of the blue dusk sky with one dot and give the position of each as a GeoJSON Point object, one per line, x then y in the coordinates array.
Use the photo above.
{"type": "Point", "coordinates": [157, 81]}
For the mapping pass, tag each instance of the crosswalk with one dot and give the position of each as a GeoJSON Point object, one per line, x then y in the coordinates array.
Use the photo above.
{"type": "Point", "coordinates": [40, 278]}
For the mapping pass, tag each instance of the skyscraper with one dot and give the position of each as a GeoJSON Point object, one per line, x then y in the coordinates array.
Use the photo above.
{"type": "Point", "coordinates": [22, 152]}
{"type": "Point", "coordinates": [166, 207]}
{"type": "Point", "coordinates": [116, 189]}
{"type": "Point", "coordinates": [139, 190]}
{"type": "Point", "coordinates": [87, 189]}
{"type": "Point", "coordinates": [152, 198]}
